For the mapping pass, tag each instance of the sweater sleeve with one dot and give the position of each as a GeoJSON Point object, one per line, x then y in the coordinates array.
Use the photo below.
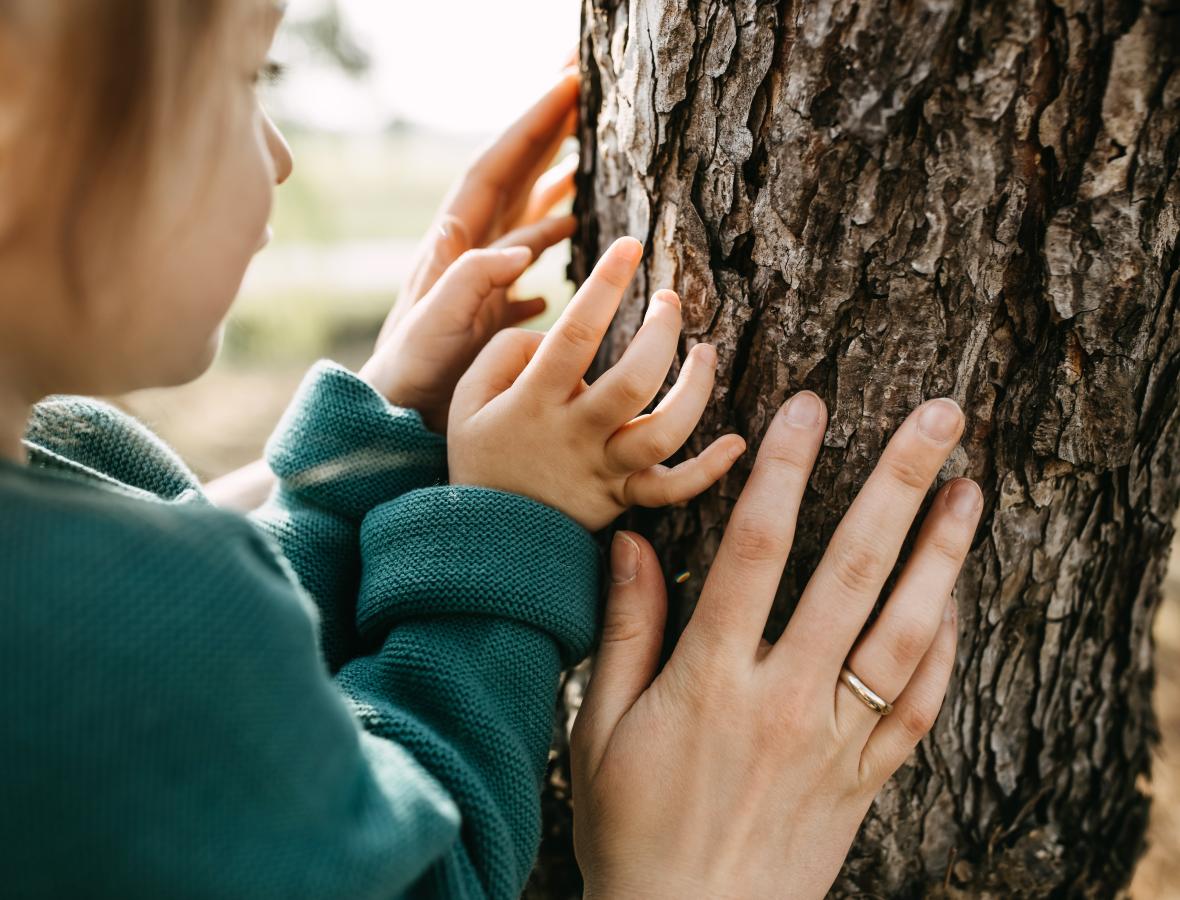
{"type": "Point", "coordinates": [472, 601]}
{"type": "Point", "coordinates": [178, 735]}
{"type": "Point", "coordinates": [339, 450]}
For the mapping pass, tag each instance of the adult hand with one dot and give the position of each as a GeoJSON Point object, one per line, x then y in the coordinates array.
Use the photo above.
{"type": "Point", "coordinates": [509, 187]}
{"type": "Point", "coordinates": [744, 769]}
{"type": "Point", "coordinates": [456, 297]}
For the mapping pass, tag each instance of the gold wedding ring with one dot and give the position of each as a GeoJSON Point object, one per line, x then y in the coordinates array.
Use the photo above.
{"type": "Point", "coordinates": [871, 698]}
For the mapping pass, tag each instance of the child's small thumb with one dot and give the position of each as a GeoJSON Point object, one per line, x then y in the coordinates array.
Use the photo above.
{"type": "Point", "coordinates": [632, 634]}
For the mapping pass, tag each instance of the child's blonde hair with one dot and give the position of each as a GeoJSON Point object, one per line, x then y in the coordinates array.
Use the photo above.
{"type": "Point", "coordinates": [102, 81]}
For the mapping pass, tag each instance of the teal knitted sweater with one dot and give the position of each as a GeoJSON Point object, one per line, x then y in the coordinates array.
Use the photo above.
{"type": "Point", "coordinates": [348, 693]}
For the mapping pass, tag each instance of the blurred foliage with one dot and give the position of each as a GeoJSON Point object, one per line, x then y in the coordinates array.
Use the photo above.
{"type": "Point", "coordinates": [350, 188]}
{"type": "Point", "coordinates": [357, 206]}
{"type": "Point", "coordinates": [326, 34]}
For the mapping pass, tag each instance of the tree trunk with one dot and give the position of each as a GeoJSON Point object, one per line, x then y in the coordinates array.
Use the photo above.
{"type": "Point", "coordinates": [886, 202]}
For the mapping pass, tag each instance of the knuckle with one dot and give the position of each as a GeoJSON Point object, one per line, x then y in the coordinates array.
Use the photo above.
{"type": "Point", "coordinates": [786, 713]}
{"type": "Point", "coordinates": [630, 389]}
{"type": "Point", "coordinates": [660, 445]}
{"type": "Point", "coordinates": [947, 545]}
{"type": "Point", "coordinates": [699, 682]}
{"type": "Point", "coordinates": [754, 539]}
{"type": "Point", "coordinates": [623, 628]}
{"type": "Point", "coordinates": [908, 471]}
{"type": "Point", "coordinates": [917, 718]}
{"type": "Point", "coordinates": [858, 567]}
{"type": "Point", "coordinates": [907, 644]}
{"type": "Point", "coordinates": [577, 333]}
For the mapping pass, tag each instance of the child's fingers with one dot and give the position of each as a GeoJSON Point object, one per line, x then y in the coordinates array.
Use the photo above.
{"type": "Point", "coordinates": [556, 185]}
{"type": "Point", "coordinates": [570, 345]}
{"type": "Point", "coordinates": [463, 288]}
{"type": "Point", "coordinates": [663, 486]}
{"type": "Point", "coordinates": [539, 236]}
{"type": "Point", "coordinates": [495, 369]}
{"type": "Point", "coordinates": [653, 438]}
{"type": "Point", "coordinates": [625, 390]}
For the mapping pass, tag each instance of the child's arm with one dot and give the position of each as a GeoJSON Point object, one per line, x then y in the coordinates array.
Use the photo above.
{"type": "Point", "coordinates": [340, 450]}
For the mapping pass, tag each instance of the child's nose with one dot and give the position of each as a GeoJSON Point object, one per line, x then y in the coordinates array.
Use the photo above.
{"type": "Point", "coordinates": [280, 151]}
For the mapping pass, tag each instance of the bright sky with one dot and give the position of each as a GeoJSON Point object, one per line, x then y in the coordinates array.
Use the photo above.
{"type": "Point", "coordinates": [454, 65]}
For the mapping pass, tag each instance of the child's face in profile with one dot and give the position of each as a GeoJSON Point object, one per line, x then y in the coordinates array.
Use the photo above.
{"type": "Point", "coordinates": [154, 293]}
{"type": "Point", "coordinates": [210, 216]}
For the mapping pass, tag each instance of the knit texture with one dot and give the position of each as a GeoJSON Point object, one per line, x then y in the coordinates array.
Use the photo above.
{"type": "Point", "coordinates": [349, 693]}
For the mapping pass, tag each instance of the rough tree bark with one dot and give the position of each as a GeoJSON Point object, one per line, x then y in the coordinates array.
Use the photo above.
{"type": "Point", "coordinates": [889, 201]}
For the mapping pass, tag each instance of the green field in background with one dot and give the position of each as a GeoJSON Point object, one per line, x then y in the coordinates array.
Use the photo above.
{"type": "Point", "coordinates": [345, 189]}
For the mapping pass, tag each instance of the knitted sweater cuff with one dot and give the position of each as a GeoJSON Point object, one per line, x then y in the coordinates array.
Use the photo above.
{"type": "Point", "coordinates": [344, 447]}
{"type": "Point", "coordinates": [477, 551]}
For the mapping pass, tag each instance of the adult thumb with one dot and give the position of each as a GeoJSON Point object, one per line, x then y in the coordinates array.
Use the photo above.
{"type": "Point", "coordinates": [629, 649]}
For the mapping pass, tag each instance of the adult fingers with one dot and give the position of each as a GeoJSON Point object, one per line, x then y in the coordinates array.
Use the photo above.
{"type": "Point", "coordinates": [519, 194]}
{"type": "Point", "coordinates": [486, 191]}
{"type": "Point", "coordinates": [624, 391]}
{"type": "Point", "coordinates": [541, 235]}
{"type": "Point", "coordinates": [663, 486]}
{"type": "Point", "coordinates": [735, 603]}
{"type": "Point", "coordinates": [887, 656]}
{"type": "Point", "coordinates": [554, 186]}
{"type": "Point", "coordinates": [443, 244]}
{"type": "Point", "coordinates": [570, 345]}
{"type": "Point", "coordinates": [494, 370]}
{"type": "Point", "coordinates": [628, 650]}
{"type": "Point", "coordinates": [915, 711]}
{"type": "Point", "coordinates": [652, 438]}
{"type": "Point", "coordinates": [864, 547]}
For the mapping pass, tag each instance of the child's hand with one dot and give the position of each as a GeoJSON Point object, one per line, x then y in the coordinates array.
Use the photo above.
{"type": "Point", "coordinates": [421, 360]}
{"type": "Point", "coordinates": [524, 421]}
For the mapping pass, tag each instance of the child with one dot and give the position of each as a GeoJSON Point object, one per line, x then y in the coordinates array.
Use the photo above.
{"type": "Point", "coordinates": [349, 693]}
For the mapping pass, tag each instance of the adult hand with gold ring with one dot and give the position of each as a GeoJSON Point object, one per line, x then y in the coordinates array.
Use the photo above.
{"type": "Point", "coordinates": [744, 769]}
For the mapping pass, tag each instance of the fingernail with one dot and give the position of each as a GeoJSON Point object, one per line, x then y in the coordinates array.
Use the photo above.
{"type": "Point", "coordinates": [964, 498]}
{"type": "Point", "coordinates": [708, 354]}
{"type": "Point", "coordinates": [803, 409]}
{"type": "Point", "coordinates": [939, 419]}
{"type": "Point", "coordinates": [737, 450]}
{"type": "Point", "coordinates": [624, 558]}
